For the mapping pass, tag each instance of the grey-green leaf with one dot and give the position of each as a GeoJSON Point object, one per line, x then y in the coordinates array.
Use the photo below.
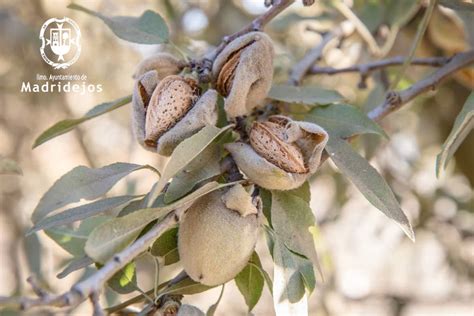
{"type": "Point", "coordinates": [82, 183]}
{"type": "Point", "coordinates": [149, 28]}
{"type": "Point", "coordinates": [184, 153]}
{"type": "Point", "coordinates": [203, 167]}
{"type": "Point", "coordinates": [292, 219]}
{"type": "Point", "coordinates": [167, 246]}
{"type": "Point", "coordinates": [186, 287]}
{"type": "Point", "coordinates": [81, 212]}
{"type": "Point", "coordinates": [462, 127]}
{"type": "Point", "coordinates": [369, 182]}
{"type": "Point", "coordinates": [74, 265]}
{"type": "Point", "coordinates": [309, 95]}
{"type": "Point", "coordinates": [113, 236]}
{"type": "Point", "coordinates": [124, 281]}
{"type": "Point", "coordinates": [288, 285]}
{"type": "Point", "coordinates": [250, 282]}
{"type": "Point", "coordinates": [73, 240]}
{"type": "Point", "coordinates": [344, 120]}
{"type": "Point", "coordinates": [67, 125]}
{"type": "Point", "coordinates": [212, 309]}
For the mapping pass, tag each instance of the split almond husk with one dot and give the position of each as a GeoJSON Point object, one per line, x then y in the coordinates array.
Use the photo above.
{"type": "Point", "coordinates": [168, 111]}
{"type": "Point", "coordinates": [282, 153]}
{"type": "Point", "coordinates": [243, 73]}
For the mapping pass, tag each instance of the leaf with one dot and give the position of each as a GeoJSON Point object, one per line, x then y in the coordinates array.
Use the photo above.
{"type": "Point", "coordinates": [33, 251]}
{"type": "Point", "coordinates": [250, 282]}
{"type": "Point", "coordinates": [82, 183]}
{"type": "Point", "coordinates": [457, 5]}
{"type": "Point", "coordinates": [166, 246]}
{"type": "Point", "coordinates": [74, 265]}
{"type": "Point", "coordinates": [73, 240]}
{"type": "Point", "coordinates": [292, 220]}
{"type": "Point", "coordinates": [309, 95]}
{"type": "Point", "coordinates": [149, 28]}
{"type": "Point", "coordinates": [462, 127]}
{"type": "Point", "coordinates": [9, 166]}
{"type": "Point", "coordinates": [344, 120]}
{"type": "Point", "coordinates": [186, 286]}
{"type": "Point", "coordinates": [65, 126]}
{"type": "Point", "coordinates": [369, 182]}
{"type": "Point", "coordinates": [203, 167]}
{"type": "Point", "coordinates": [184, 153]}
{"type": "Point", "coordinates": [289, 297]}
{"type": "Point", "coordinates": [115, 235]}
{"type": "Point", "coordinates": [81, 212]}
{"type": "Point", "coordinates": [212, 309]}
{"type": "Point", "coordinates": [124, 281]}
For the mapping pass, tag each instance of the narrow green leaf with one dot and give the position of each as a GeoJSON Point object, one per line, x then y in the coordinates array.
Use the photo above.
{"type": "Point", "coordinates": [250, 282]}
{"type": "Point", "coordinates": [124, 281]}
{"type": "Point", "coordinates": [149, 28]}
{"type": "Point", "coordinates": [73, 240]}
{"type": "Point", "coordinates": [82, 183]}
{"type": "Point", "coordinates": [33, 252]}
{"type": "Point", "coordinates": [167, 247]}
{"type": "Point", "coordinates": [184, 153]}
{"type": "Point", "coordinates": [289, 297]}
{"type": "Point", "coordinates": [186, 287]}
{"type": "Point", "coordinates": [81, 212]}
{"type": "Point", "coordinates": [115, 235]}
{"type": "Point", "coordinates": [462, 127]}
{"type": "Point", "coordinates": [212, 309]}
{"type": "Point", "coordinates": [9, 166]}
{"type": "Point", "coordinates": [309, 95]}
{"type": "Point", "coordinates": [65, 126]}
{"type": "Point", "coordinates": [344, 120]}
{"type": "Point", "coordinates": [203, 167]}
{"type": "Point", "coordinates": [74, 265]}
{"type": "Point", "coordinates": [293, 227]}
{"type": "Point", "coordinates": [369, 182]}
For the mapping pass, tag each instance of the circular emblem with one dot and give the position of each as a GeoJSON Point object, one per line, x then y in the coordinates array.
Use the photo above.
{"type": "Point", "coordinates": [60, 42]}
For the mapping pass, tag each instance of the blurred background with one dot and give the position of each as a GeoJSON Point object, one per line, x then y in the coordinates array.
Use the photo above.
{"type": "Point", "coordinates": [371, 268]}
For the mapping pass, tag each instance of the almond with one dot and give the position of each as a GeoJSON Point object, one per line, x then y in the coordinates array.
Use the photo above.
{"type": "Point", "coordinates": [171, 100]}
{"type": "Point", "coordinates": [268, 140]}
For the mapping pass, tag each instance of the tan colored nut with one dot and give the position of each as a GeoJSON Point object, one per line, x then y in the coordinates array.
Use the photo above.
{"type": "Point", "coordinates": [214, 241]}
{"type": "Point", "coordinates": [172, 99]}
{"type": "Point", "coordinates": [267, 140]}
{"type": "Point", "coordinates": [282, 153]}
{"type": "Point", "coordinates": [243, 73]}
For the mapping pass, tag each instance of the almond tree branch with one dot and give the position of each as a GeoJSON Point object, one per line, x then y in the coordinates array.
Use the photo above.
{"type": "Point", "coordinates": [394, 100]}
{"type": "Point", "coordinates": [365, 69]}
{"type": "Point", "coordinates": [301, 69]}
{"type": "Point", "coordinates": [92, 286]}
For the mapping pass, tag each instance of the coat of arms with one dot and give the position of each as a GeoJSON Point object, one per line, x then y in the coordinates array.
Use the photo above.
{"type": "Point", "coordinates": [60, 42]}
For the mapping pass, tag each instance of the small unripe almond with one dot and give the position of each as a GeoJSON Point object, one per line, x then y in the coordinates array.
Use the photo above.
{"type": "Point", "coordinates": [214, 241]}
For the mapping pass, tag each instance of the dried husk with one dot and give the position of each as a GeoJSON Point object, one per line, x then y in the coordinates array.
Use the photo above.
{"type": "Point", "coordinates": [216, 242]}
{"type": "Point", "coordinates": [163, 63]}
{"type": "Point", "coordinates": [271, 169]}
{"type": "Point", "coordinates": [163, 117]}
{"type": "Point", "coordinates": [243, 73]}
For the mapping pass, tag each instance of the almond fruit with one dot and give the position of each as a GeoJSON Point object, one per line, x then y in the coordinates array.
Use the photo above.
{"type": "Point", "coordinates": [215, 242]}
{"type": "Point", "coordinates": [267, 139]}
{"type": "Point", "coordinates": [172, 99]}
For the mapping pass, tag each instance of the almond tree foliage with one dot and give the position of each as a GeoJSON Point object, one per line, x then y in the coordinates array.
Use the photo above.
{"type": "Point", "coordinates": [242, 145]}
